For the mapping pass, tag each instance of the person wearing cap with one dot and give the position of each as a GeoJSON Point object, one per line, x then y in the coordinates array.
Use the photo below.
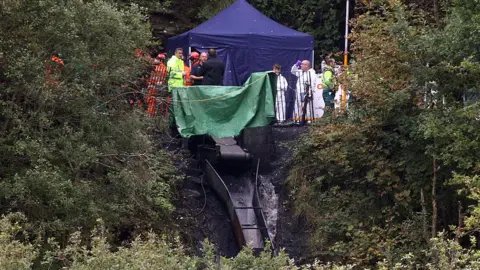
{"type": "Point", "coordinates": [160, 69]}
{"type": "Point", "coordinates": [53, 67]}
{"type": "Point", "coordinates": [197, 78]}
{"type": "Point", "coordinates": [157, 78]}
{"type": "Point", "coordinates": [194, 59]}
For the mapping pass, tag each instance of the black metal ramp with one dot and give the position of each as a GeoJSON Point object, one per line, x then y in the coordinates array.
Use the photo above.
{"type": "Point", "coordinates": [230, 150]}
{"type": "Point", "coordinates": [243, 205]}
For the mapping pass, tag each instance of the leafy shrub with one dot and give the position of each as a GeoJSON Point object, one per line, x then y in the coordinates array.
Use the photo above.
{"type": "Point", "coordinates": [153, 252]}
{"type": "Point", "coordinates": [72, 149]}
{"type": "Point", "coordinates": [377, 183]}
{"type": "Point", "coordinates": [147, 252]}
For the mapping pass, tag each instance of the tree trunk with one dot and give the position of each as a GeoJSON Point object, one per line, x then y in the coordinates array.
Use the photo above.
{"type": "Point", "coordinates": [436, 12]}
{"type": "Point", "coordinates": [434, 201]}
{"type": "Point", "coordinates": [460, 220]}
{"type": "Point", "coordinates": [424, 215]}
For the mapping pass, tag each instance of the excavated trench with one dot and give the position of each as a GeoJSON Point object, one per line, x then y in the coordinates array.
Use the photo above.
{"type": "Point", "coordinates": [200, 214]}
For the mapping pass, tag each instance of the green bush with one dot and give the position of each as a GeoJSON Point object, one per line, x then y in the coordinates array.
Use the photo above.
{"type": "Point", "coordinates": [15, 253]}
{"type": "Point", "coordinates": [73, 150]}
{"type": "Point", "coordinates": [379, 182]}
{"type": "Point", "coordinates": [153, 252]}
{"type": "Point", "coordinates": [147, 252]}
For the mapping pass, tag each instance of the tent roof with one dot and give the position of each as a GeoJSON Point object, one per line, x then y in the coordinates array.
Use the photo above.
{"type": "Point", "coordinates": [240, 18]}
{"type": "Point", "coordinates": [246, 40]}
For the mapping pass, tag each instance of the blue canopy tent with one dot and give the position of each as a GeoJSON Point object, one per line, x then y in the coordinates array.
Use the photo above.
{"type": "Point", "coordinates": [247, 41]}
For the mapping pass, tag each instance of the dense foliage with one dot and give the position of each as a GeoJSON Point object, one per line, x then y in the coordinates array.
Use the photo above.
{"type": "Point", "coordinates": [72, 149]}
{"type": "Point", "coordinates": [376, 186]}
{"type": "Point", "coordinates": [152, 252]}
{"type": "Point", "coordinates": [384, 179]}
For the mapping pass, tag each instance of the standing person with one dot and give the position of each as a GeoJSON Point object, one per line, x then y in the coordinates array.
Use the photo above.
{"type": "Point", "coordinates": [197, 79]}
{"type": "Point", "coordinates": [341, 88]}
{"type": "Point", "coordinates": [329, 83]}
{"type": "Point", "coordinates": [306, 78]}
{"type": "Point", "coordinates": [188, 79]}
{"type": "Point", "coordinates": [337, 67]}
{"type": "Point", "coordinates": [188, 71]}
{"type": "Point", "coordinates": [212, 70]}
{"type": "Point", "coordinates": [157, 78]}
{"type": "Point", "coordinates": [325, 60]}
{"type": "Point", "coordinates": [53, 69]}
{"type": "Point", "coordinates": [282, 86]}
{"type": "Point", "coordinates": [160, 71]}
{"type": "Point", "coordinates": [323, 64]}
{"type": "Point", "coordinates": [194, 58]}
{"type": "Point", "coordinates": [176, 76]}
{"type": "Point", "coordinates": [176, 71]}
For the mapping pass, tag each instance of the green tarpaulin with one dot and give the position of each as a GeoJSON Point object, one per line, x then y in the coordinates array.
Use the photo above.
{"type": "Point", "coordinates": [223, 111]}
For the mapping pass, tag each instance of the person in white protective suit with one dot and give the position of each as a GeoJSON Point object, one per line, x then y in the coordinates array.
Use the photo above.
{"type": "Point", "coordinates": [318, 103]}
{"type": "Point", "coordinates": [337, 100]}
{"type": "Point", "coordinates": [282, 86]}
{"type": "Point", "coordinates": [306, 78]}
{"type": "Point", "coordinates": [340, 92]}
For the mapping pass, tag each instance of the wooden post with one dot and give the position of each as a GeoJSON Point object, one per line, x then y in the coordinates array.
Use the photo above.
{"type": "Point", "coordinates": [434, 201]}
{"type": "Point", "coordinates": [424, 215]}
{"type": "Point", "coordinates": [345, 59]}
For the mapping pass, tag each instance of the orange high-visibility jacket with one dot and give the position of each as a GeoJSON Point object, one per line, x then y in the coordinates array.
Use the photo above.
{"type": "Point", "coordinates": [51, 69]}
{"type": "Point", "coordinates": [188, 79]}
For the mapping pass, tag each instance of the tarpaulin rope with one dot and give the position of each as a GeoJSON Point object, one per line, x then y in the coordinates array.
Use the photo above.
{"type": "Point", "coordinates": [222, 96]}
{"type": "Point", "coordinates": [223, 111]}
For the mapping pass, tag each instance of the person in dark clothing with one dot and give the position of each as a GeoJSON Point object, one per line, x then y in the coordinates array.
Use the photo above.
{"type": "Point", "coordinates": [196, 69]}
{"type": "Point", "coordinates": [212, 70]}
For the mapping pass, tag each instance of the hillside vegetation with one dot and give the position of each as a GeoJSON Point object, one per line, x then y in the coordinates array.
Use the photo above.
{"type": "Point", "coordinates": [392, 184]}
{"type": "Point", "coordinates": [398, 169]}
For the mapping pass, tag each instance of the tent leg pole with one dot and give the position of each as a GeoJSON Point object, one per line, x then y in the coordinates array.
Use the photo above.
{"type": "Point", "coordinates": [189, 53]}
{"type": "Point", "coordinates": [313, 59]}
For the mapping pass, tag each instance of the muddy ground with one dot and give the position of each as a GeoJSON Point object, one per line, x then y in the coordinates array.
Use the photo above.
{"type": "Point", "coordinates": [201, 215]}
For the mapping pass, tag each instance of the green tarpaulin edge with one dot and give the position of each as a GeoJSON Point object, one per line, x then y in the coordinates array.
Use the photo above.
{"type": "Point", "coordinates": [224, 111]}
